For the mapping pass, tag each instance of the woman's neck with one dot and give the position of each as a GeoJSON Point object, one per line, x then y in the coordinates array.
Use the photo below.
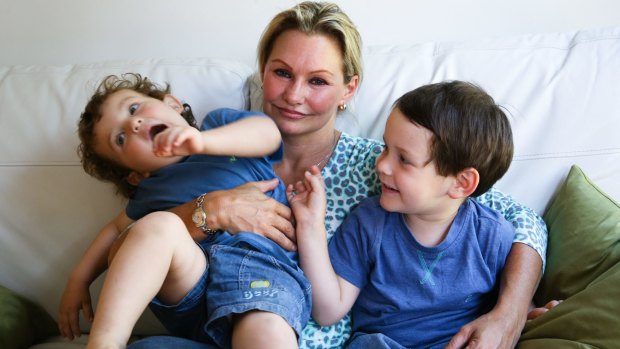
{"type": "Point", "coordinates": [302, 152]}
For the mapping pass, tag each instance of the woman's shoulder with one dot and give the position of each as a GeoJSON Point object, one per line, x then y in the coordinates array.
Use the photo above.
{"type": "Point", "coordinates": [359, 146]}
{"type": "Point", "coordinates": [359, 141]}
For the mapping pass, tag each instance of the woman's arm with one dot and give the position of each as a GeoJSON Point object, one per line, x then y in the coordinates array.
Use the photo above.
{"type": "Point", "coordinates": [530, 228]}
{"type": "Point", "coordinates": [244, 208]}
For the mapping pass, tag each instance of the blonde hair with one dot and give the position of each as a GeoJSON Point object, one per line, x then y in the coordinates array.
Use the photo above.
{"type": "Point", "coordinates": [316, 18]}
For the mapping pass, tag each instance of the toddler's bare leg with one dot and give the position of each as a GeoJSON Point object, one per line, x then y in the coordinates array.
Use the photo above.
{"type": "Point", "coordinates": [157, 258]}
{"type": "Point", "coordinates": [262, 330]}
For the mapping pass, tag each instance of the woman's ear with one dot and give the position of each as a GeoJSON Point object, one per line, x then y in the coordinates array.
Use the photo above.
{"type": "Point", "coordinates": [350, 89]}
{"type": "Point", "coordinates": [173, 103]}
{"type": "Point", "coordinates": [465, 183]}
{"type": "Point", "coordinates": [135, 177]}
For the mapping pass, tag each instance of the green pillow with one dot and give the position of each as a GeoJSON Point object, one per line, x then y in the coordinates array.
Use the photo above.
{"type": "Point", "coordinates": [583, 269]}
{"type": "Point", "coordinates": [22, 323]}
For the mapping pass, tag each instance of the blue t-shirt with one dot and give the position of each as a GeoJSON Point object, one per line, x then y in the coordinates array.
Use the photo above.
{"type": "Point", "coordinates": [420, 296]}
{"type": "Point", "coordinates": [194, 175]}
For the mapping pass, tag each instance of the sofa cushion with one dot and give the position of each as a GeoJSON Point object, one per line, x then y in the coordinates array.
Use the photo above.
{"type": "Point", "coordinates": [583, 269]}
{"type": "Point", "coordinates": [22, 322]}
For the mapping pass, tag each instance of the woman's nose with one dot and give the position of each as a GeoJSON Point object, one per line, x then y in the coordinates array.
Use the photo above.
{"type": "Point", "coordinates": [294, 93]}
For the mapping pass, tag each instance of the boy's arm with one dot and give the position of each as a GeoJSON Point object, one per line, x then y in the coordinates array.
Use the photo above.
{"type": "Point", "coordinates": [332, 296]}
{"type": "Point", "coordinates": [76, 295]}
{"type": "Point", "coordinates": [252, 136]}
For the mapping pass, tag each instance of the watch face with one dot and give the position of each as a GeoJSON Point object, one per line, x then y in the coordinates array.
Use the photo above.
{"type": "Point", "coordinates": [198, 217]}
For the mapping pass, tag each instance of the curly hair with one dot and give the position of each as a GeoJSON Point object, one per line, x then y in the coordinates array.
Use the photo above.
{"type": "Point", "coordinates": [96, 165]}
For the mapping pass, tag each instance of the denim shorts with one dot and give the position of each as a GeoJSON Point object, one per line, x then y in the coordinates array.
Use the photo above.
{"type": "Point", "coordinates": [239, 279]}
{"type": "Point", "coordinates": [187, 318]}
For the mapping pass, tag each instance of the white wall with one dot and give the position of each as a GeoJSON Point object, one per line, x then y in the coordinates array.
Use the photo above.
{"type": "Point", "coordinates": [57, 32]}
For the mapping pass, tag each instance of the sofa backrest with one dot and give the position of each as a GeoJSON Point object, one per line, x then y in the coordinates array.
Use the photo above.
{"type": "Point", "coordinates": [561, 91]}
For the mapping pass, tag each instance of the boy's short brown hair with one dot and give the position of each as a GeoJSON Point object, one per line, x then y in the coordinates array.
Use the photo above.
{"type": "Point", "coordinates": [93, 163]}
{"type": "Point", "coordinates": [469, 129]}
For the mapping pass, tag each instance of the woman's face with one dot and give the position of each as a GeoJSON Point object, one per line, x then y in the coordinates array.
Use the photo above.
{"type": "Point", "coordinates": [303, 83]}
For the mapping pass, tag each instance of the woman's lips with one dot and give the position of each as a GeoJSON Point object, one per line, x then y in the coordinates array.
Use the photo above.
{"type": "Point", "coordinates": [291, 114]}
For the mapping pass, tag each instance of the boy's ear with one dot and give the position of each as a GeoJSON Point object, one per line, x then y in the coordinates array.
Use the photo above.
{"type": "Point", "coordinates": [135, 177]}
{"type": "Point", "coordinates": [465, 183]}
{"type": "Point", "coordinates": [173, 103]}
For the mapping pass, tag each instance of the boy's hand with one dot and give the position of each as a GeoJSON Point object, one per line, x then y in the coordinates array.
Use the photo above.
{"type": "Point", "coordinates": [178, 140]}
{"type": "Point", "coordinates": [75, 297]}
{"type": "Point", "coordinates": [307, 198]}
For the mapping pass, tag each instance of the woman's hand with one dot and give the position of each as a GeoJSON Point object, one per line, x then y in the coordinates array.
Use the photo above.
{"type": "Point", "coordinates": [536, 312]}
{"type": "Point", "coordinates": [247, 208]}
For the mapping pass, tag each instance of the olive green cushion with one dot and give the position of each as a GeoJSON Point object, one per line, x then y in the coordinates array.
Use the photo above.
{"type": "Point", "coordinates": [22, 323]}
{"type": "Point", "coordinates": [583, 269]}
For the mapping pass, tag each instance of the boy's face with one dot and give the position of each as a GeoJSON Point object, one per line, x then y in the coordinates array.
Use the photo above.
{"type": "Point", "coordinates": [129, 123]}
{"type": "Point", "coordinates": [410, 183]}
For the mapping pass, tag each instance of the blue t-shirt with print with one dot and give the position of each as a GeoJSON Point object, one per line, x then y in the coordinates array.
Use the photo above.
{"type": "Point", "coordinates": [420, 296]}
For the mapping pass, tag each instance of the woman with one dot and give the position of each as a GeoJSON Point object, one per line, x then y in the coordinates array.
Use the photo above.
{"type": "Point", "coordinates": [310, 67]}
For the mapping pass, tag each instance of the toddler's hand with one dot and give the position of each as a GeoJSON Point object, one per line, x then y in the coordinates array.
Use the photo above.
{"type": "Point", "coordinates": [178, 140]}
{"type": "Point", "coordinates": [75, 297]}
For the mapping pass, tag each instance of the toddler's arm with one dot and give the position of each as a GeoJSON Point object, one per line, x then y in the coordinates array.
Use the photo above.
{"type": "Point", "coordinates": [248, 137]}
{"type": "Point", "coordinates": [76, 295]}
{"type": "Point", "coordinates": [332, 296]}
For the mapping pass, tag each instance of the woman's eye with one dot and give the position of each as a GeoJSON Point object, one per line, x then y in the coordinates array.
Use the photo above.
{"type": "Point", "coordinates": [133, 108]}
{"type": "Point", "coordinates": [318, 81]}
{"type": "Point", "coordinates": [282, 73]}
{"type": "Point", "coordinates": [120, 139]}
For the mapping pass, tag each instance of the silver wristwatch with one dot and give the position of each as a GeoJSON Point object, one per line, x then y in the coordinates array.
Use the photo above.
{"type": "Point", "coordinates": [199, 217]}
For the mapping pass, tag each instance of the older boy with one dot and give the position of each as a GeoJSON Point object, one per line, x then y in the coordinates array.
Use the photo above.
{"type": "Point", "coordinates": [422, 259]}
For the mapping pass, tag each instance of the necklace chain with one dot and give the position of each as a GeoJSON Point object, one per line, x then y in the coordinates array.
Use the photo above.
{"type": "Point", "coordinates": [329, 155]}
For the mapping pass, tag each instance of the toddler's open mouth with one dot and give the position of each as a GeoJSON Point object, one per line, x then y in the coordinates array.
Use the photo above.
{"type": "Point", "coordinates": [156, 129]}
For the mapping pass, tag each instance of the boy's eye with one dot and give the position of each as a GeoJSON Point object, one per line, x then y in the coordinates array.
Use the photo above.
{"type": "Point", "coordinates": [133, 108]}
{"type": "Point", "coordinates": [403, 160]}
{"type": "Point", "coordinates": [120, 139]}
{"type": "Point", "coordinates": [282, 73]}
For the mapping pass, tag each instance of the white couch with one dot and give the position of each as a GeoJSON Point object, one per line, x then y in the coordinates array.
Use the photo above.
{"type": "Point", "coordinates": [562, 92]}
